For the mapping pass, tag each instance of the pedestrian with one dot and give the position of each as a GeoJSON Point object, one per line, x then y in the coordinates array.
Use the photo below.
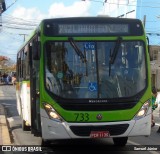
{"type": "Point", "coordinates": [158, 102]}
{"type": "Point", "coordinates": [14, 79]}
{"type": "Point", "coordinates": [8, 79]}
{"type": "Point", "coordinates": [1, 78]}
{"type": "Point", "coordinates": [154, 104]}
{"type": "Point", "coordinates": [5, 78]}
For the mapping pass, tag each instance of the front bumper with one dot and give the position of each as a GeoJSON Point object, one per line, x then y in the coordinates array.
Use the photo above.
{"type": "Point", "coordinates": [53, 130]}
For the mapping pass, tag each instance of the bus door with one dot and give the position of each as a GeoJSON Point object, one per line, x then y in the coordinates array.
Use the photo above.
{"type": "Point", "coordinates": [34, 84]}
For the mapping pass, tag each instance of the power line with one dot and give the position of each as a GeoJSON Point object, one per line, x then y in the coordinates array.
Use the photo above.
{"type": "Point", "coordinates": [106, 2]}
{"type": "Point", "coordinates": [17, 28]}
{"type": "Point", "coordinates": [11, 33]}
{"type": "Point", "coordinates": [11, 4]}
{"type": "Point", "coordinates": [16, 23]}
{"type": "Point", "coordinates": [11, 36]}
{"type": "Point", "coordinates": [136, 5]}
{"type": "Point", "coordinates": [29, 20]}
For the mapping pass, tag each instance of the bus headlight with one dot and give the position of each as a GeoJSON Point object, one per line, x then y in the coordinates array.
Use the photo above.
{"type": "Point", "coordinates": [143, 111]}
{"type": "Point", "coordinates": [52, 113]}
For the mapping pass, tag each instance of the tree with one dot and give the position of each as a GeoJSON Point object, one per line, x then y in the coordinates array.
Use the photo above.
{"type": "Point", "coordinates": [7, 64]}
{"type": "Point", "coordinates": [2, 58]}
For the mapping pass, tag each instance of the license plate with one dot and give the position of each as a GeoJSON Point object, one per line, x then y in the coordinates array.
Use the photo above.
{"type": "Point", "coordinates": [99, 134]}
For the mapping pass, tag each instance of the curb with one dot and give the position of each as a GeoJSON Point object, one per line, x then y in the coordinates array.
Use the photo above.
{"type": "Point", "coordinates": [4, 132]}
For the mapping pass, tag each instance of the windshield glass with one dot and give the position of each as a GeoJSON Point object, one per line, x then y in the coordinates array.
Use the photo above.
{"type": "Point", "coordinates": [81, 69]}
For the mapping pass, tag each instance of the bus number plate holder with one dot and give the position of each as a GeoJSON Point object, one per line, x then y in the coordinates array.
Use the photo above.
{"type": "Point", "coordinates": [99, 134]}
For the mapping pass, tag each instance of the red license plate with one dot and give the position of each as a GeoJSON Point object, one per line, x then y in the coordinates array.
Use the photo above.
{"type": "Point", "coordinates": [99, 134]}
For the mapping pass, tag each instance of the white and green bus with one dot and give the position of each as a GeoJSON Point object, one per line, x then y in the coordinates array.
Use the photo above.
{"type": "Point", "coordinates": [85, 77]}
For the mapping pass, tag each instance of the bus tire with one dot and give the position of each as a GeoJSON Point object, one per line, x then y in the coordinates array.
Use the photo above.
{"type": "Point", "coordinates": [120, 141]}
{"type": "Point", "coordinates": [45, 142]}
{"type": "Point", "coordinates": [24, 127]}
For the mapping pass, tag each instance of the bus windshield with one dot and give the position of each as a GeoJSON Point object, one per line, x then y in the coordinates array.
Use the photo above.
{"type": "Point", "coordinates": [68, 76]}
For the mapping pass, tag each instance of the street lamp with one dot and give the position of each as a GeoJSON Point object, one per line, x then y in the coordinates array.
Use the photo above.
{"type": "Point", "coordinates": [2, 9]}
{"type": "Point", "coordinates": [2, 6]}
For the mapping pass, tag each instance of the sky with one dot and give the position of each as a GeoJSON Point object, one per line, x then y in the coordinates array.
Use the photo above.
{"type": "Point", "coordinates": [22, 16]}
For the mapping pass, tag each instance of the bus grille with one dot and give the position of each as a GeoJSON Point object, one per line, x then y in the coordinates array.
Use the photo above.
{"type": "Point", "coordinates": [86, 130]}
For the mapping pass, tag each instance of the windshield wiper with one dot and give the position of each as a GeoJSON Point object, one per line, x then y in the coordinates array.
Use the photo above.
{"type": "Point", "coordinates": [77, 50]}
{"type": "Point", "coordinates": [113, 55]}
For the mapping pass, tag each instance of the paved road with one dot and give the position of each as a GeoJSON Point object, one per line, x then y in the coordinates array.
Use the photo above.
{"type": "Point", "coordinates": [26, 138]}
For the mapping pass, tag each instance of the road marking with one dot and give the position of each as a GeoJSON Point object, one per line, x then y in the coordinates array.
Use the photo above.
{"type": "Point", "coordinates": [134, 143]}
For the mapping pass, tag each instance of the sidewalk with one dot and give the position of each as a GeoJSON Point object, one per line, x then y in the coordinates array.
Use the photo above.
{"type": "Point", "coordinates": [4, 132]}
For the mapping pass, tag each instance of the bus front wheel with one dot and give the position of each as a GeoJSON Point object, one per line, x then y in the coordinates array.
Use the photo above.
{"type": "Point", "coordinates": [120, 141]}
{"type": "Point", "coordinates": [45, 142]}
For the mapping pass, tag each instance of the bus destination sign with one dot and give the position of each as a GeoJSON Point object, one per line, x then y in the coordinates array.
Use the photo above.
{"type": "Point", "coordinates": [92, 28]}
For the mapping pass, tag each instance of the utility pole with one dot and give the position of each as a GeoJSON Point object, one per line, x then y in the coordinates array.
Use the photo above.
{"type": "Point", "coordinates": [24, 36]}
{"type": "Point", "coordinates": [144, 21]}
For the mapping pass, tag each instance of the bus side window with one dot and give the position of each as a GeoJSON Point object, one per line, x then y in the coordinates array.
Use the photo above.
{"type": "Point", "coordinates": [26, 62]}
{"type": "Point", "coordinates": [18, 66]}
{"type": "Point", "coordinates": [36, 49]}
{"type": "Point", "coordinates": [21, 65]}
{"type": "Point", "coordinates": [49, 53]}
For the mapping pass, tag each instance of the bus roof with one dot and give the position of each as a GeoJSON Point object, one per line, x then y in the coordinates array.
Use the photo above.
{"type": "Point", "coordinates": [92, 26]}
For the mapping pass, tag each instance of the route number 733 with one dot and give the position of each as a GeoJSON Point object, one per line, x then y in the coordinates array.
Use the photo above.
{"type": "Point", "coordinates": [81, 117]}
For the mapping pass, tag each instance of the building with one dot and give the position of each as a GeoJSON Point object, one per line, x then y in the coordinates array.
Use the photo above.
{"type": "Point", "coordinates": [155, 65]}
{"type": "Point", "coordinates": [148, 11]}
